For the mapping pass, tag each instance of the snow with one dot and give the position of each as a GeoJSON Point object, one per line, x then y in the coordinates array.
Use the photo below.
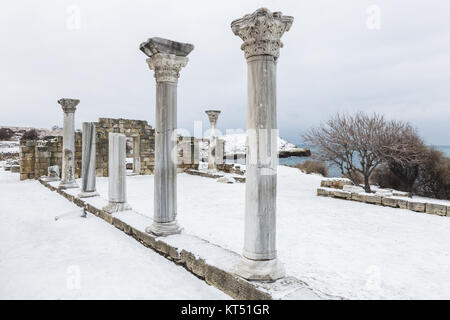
{"type": "Point", "coordinates": [40, 258]}
{"type": "Point", "coordinates": [9, 146]}
{"type": "Point", "coordinates": [339, 248]}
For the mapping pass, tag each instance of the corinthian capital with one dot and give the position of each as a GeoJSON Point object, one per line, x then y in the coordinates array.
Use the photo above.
{"type": "Point", "coordinates": [166, 57]}
{"type": "Point", "coordinates": [261, 32]}
{"type": "Point", "coordinates": [166, 66]}
{"type": "Point", "coordinates": [213, 115]}
{"type": "Point", "coordinates": [68, 105]}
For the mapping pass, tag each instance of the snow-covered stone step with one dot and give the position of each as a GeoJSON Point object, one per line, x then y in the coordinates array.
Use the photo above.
{"type": "Point", "coordinates": [385, 199]}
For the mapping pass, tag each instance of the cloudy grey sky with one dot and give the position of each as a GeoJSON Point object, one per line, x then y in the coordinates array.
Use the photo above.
{"type": "Point", "coordinates": [331, 61]}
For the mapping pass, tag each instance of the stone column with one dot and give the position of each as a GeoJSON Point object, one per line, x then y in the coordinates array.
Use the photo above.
{"type": "Point", "coordinates": [117, 174]}
{"type": "Point", "coordinates": [261, 33]}
{"type": "Point", "coordinates": [136, 154]}
{"type": "Point", "coordinates": [88, 161]}
{"type": "Point", "coordinates": [68, 160]}
{"type": "Point", "coordinates": [166, 58]}
{"type": "Point", "coordinates": [212, 115]}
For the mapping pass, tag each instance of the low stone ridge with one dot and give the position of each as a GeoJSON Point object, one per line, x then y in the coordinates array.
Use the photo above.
{"type": "Point", "coordinates": [214, 175]}
{"type": "Point", "coordinates": [207, 261]}
{"type": "Point", "coordinates": [297, 152]}
{"type": "Point", "coordinates": [343, 189]}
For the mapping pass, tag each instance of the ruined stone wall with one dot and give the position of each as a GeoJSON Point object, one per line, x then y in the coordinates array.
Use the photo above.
{"type": "Point", "coordinates": [188, 153]}
{"type": "Point", "coordinates": [27, 159]}
{"type": "Point", "coordinates": [137, 129]}
{"type": "Point", "coordinates": [37, 156]}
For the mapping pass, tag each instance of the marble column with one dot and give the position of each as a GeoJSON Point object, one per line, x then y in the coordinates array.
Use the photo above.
{"type": "Point", "coordinates": [136, 154]}
{"type": "Point", "coordinates": [88, 161]}
{"type": "Point", "coordinates": [166, 58]}
{"type": "Point", "coordinates": [261, 32]}
{"type": "Point", "coordinates": [117, 174]}
{"type": "Point", "coordinates": [68, 157]}
{"type": "Point", "coordinates": [213, 115]}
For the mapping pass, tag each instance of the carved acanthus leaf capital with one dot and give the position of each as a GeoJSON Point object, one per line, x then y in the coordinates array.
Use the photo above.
{"type": "Point", "coordinates": [166, 66]}
{"type": "Point", "coordinates": [68, 105]}
{"type": "Point", "coordinates": [261, 32]}
{"type": "Point", "coordinates": [213, 115]}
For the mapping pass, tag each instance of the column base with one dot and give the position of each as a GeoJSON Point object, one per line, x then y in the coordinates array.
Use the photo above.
{"type": "Point", "coordinates": [259, 270]}
{"type": "Point", "coordinates": [87, 194]}
{"type": "Point", "coordinates": [162, 229]}
{"type": "Point", "coordinates": [68, 185]}
{"type": "Point", "coordinates": [116, 207]}
{"type": "Point", "coordinates": [50, 179]}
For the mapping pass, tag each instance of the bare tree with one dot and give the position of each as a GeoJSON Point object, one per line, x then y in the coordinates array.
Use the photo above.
{"type": "Point", "coordinates": [358, 144]}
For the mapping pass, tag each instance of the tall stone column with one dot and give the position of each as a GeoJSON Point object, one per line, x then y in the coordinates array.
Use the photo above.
{"type": "Point", "coordinates": [117, 195]}
{"type": "Point", "coordinates": [166, 58]}
{"type": "Point", "coordinates": [88, 161]}
{"type": "Point", "coordinates": [68, 160]}
{"type": "Point", "coordinates": [261, 32]}
{"type": "Point", "coordinates": [213, 115]}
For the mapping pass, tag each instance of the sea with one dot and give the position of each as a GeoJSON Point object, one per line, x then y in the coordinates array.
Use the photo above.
{"type": "Point", "coordinates": [334, 171]}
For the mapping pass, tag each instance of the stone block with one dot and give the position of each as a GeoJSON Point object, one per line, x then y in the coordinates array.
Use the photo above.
{"type": "Point", "coordinates": [342, 194]}
{"type": "Point", "coordinates": [402, 204]}
{"type": "Point", "coordinates": [389, 202]}
{"type": "Point", "coordinates": [372, 198]}
{"type": "Point", "coordinates": [434, 208]}
{"type": "Point", "coordinates": [416, 206]}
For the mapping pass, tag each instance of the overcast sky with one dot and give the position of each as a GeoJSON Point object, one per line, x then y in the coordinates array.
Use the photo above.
{"type": "Point", "coordinates": [331, 61]}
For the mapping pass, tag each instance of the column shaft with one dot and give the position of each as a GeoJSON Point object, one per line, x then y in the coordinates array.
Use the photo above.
{"type": "Point", "coordinates": [136, 155]}
{"type": "Point", "coordinates": [212, 148]}
{"type": "Point", "coordinates": [88, 161]}
{"type": "Point", "coordinates": [261, 174]}
{"type": "Point", "coordinates": [165, 190]}
{"type": "Point", "coordinates": [117, 174]}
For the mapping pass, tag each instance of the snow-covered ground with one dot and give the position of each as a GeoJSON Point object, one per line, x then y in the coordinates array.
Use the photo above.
{"type": "Point", "coordinates": [344, 248]}
{"type": "Point", "coordinates": [9, 146]}
{"type": "Point", "coordinates": [78, 258]}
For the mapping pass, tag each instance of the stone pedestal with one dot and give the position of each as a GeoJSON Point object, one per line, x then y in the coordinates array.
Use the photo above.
{"type": "Point", "coordinates": [88, 161]}
{"type": "Point", "coordinates": [213, 115]}
{"type": "Point", "coordinates": [68, 161]}
{"type": "Point", "coordinates": [166, 58]}
{"type": "Point", "coordinates": [261, 33]}
{"type": "Point", "coordinates": [117, 174]}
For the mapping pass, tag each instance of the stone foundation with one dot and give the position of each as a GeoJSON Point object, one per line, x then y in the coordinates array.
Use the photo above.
{"type": "Point", "coordinates": [377, 199]}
